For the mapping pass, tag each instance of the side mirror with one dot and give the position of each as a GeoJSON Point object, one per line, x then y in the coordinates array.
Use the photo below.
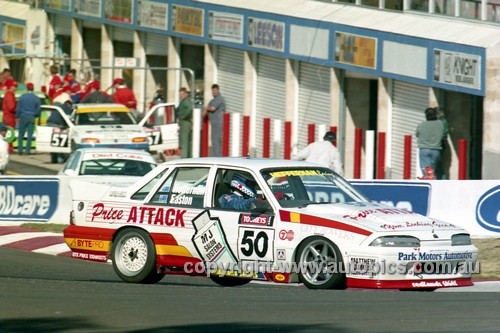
{"type": "Point", "coordinates": [70, 172]}
{"type": "Point", "coordinates": [260, 207]}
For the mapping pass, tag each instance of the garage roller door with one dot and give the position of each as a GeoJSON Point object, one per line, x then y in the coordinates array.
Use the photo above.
{"type": "Point", "coordinates": [409, 103]}
{"type": "Point", "coordinates": [314, 98]}
{"type": "Point", "coordinates": [270, 96]}
{"type": "Point", "coordinates": [62, 25]}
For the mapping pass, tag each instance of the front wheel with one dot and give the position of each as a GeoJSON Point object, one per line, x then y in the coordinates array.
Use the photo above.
{"type": "Point", "coordinates": [134, 257]}
{"type": "Point", "coordinates": [320, 263]}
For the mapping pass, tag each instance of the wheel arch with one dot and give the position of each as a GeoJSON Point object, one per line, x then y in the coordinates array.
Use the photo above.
{"type": "Point", "coordinates": [295, 251]}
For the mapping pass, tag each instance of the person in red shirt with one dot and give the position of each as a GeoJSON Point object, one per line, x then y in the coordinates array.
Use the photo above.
{"type": "Point", "coordinates": [69, 80]}
{"type": "Point", "coordinates": [9, 106]}
{"type": "Point", "coordinates": [54, 86]}
{"type": "Point", "coordinates": [124, 95]}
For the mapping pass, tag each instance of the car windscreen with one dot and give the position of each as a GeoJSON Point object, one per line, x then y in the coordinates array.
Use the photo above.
{"type": "Point", "coordinates": [115, 167]}
{"type": "Point", "coordinates": [299, 187]}
{"type": "Point", "coordinates": [104, 118]}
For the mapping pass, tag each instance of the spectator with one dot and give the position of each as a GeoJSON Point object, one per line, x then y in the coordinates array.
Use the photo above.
{"type": "Point", "coordinates": [9, 105]}
{"type": "Point", "coordinates": [185, 115]}
{"type": "Point", "coordinates": [429, 138]}
{"type": "Point", "coordinates": [4, 77]}
{"type": "Point", "coordinates": [4, 148]}
{"type": "Point", "coordinates": [95, 95]}
{"type": "Point", "coordinates": [55, 81]}
{"type": "Point", "coordinates": [215, 110]}
{"type": "Point", "coordinates": [28, 109]}
{"type": "Point", "coordinates": [323, 153]}
{"type": "Point", "coordinates": [62, 95]}
{"type": "Point", "coordinates": [74, 86]}
{"type": "Point", "coordinates": [124, 95]}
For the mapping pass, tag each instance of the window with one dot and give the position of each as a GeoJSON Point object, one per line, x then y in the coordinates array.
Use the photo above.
{"type": "Point", "coordinates": [144, 191]}
{"type": "Point", "coordinates": [224, 185]}
{"type": "Point", "coordinates": [184, 187]}
{"type": "Point", "coordinates": [104, 118]}
{"type": "Point", "coordinates": [72, 162]}
{"type": "Point", "coordinates": [115, 167]}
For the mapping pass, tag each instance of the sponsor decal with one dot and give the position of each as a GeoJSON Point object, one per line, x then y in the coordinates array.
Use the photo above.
{"type": "Point", "coordinates": [281, 254]}
{"type": "Point", "coordinates": [286, 235]}
{"type": "Point", "coordinates": [28, 199]}
{"type": "Point", "coordinates": [355, 215]}
{"type": "Point", "coordinates": [291, 173]}
{"type": "Point", "coordinates": [88, 244]}
{"type": "Point", "coordinates": [90, 256]}
{"type": "Point", "coordinates": [117, 194]}
{"type": "Point", "coordinates": [435, 284]}
{"type": "Point", "coordinates": [266, 34]}
{"type": "Point", "coordinates": [279, 277]}
{"type": "Point", "coordinates": [413, 197]}
{"type": "Point", "coordinates": [96, 156]}
{"type": "Point", "coordinates": [356, 50]}
{"type": "Point", "coordinates": [433, 224]}
{"type": "Point", "coordinates": [251, 219]}
{"type": "Point", "coordinates": [210, 240]}
{"type": "Point", "coordinates": [425, 256]}
{"type": "Point", "coordinates": [362, 266]}
{"type": "Point", "coordinates": [172, 217]}
{"type": "Point", "coordinates": [488, 210]}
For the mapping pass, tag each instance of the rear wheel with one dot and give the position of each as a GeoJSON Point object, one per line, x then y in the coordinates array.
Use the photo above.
{"type": "Point", "coordinates": [320, 263]}
{"type": "Point", "coordinates": [134, 257]}
{"type": "Point", "coordinates": [229, 281]}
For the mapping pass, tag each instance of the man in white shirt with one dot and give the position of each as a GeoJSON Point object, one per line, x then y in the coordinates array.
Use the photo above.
{"type": "Point", "coordinates": [323, 153]}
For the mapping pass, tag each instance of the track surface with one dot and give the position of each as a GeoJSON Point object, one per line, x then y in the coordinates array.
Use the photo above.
{"type": "Point", "coordinates": [43, 293]}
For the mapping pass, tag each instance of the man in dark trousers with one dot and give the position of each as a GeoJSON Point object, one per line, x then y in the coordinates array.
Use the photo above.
{"type": "Point", "coordinates": [215, 110]}
{"type": "Point", "coordinates": [28, 108]}
{"type": "Point", "coordinates": [9, 105]}
{"type": "Point", "coordinates": [185, 116]}
{"type": "Point", "coordinates": [95, 95]}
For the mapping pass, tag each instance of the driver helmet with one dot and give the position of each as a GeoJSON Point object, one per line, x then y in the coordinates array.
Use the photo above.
{"type": "Point", "coordinates": [238, 183]}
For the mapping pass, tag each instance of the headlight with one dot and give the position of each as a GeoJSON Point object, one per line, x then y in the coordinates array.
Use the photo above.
{"type": "Point", "coordinates": [460, 239]}
{"type": "Point", "coordinates": [396, 241]}
{"type": "Point", "coordinates": [91, 140]}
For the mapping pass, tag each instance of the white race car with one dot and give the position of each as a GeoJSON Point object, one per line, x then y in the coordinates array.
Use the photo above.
{"type": "Point", "coordinates": [108, 162]}
{"type": "Point", "coordinates": [238, 219]}
{"type": "Point", "coordinates": [105, 125]}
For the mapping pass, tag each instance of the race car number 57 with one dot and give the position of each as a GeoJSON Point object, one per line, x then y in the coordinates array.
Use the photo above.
{"type": "Point", "coordinates": [256, 244]}
{"type": "Point", "coordinates": [59, 140]}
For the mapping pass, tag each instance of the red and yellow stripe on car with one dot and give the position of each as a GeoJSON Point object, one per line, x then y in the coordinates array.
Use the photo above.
{"type": "Point", "coordinates": [294, 217]}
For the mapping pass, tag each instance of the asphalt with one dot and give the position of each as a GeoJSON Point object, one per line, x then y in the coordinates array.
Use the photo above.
{"type": "Point", "coordinates": [39, 160]}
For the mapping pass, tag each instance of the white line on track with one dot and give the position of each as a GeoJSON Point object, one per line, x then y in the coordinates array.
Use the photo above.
{"type": "Point", "coordinates": [53, 249]}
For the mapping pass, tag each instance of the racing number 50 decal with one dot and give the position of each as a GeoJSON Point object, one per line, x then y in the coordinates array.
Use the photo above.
{"type": "Point", "coordinates": [255, 244]}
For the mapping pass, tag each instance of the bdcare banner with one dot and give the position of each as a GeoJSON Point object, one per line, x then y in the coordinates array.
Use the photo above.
{"type": "Point", "coordinates": [472, 204]}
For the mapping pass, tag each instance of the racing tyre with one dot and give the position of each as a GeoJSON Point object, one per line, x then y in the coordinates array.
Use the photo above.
{"type": "Point", "coordinates": [229, 281]}
{"type": "Point", "coordinates": [134, 257]}
{"type": "Point", "coordinates": [321, 264]}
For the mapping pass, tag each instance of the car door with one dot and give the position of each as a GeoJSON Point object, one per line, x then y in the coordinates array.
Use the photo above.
{"type": "Point", "coordinates": [51, 137]}
{"type": "Point", "coordinates": [162, 136]}
{"type": "Point", "coordinates": [250, 233]}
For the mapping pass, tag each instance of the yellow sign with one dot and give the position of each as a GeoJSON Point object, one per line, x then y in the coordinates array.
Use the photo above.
{"type": "Point", "coordinates": [187, 20]}
{"type": "Point", "coordinates": [356, 50]}
{"type": "Point", "coordinates": [88, 244]}
{"type": "Point", "coordinates": [291, 173]}
{"type": "Point", "coordinates": [91, 109]}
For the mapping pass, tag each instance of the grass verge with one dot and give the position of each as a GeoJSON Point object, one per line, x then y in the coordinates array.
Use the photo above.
{"type": "Point", "coordinates": [48, 227]}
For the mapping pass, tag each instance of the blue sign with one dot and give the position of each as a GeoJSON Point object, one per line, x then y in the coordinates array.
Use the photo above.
{"type": "Point", "coordinates": [411, 196]}
{"type": "Point", "coordinates": [488, 210]}
{"type": "Point", "coordinates": [28, 199]}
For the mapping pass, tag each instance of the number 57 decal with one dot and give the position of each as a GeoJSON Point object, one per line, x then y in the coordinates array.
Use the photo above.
{"type": "Point", "coordinates": [255, 244]}
{"type": "Point", "coordinates": [59, 139]}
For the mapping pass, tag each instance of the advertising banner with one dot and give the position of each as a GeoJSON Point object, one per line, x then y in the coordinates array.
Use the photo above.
{"type": "Point", "coordinates": [187, 20]}
{"type": "Point", "coordinates": [88, 7]}
{"type": "Point", "coordinates": [119, 10]}
{"type": "Point", "coordinates": [458, 69]}
{"type": "Point", "coordinates": [63, 5]}
{"type": "Point", "coordinates": [356, 50]}
{"type": "Point", "coordinates": [266, 34]}
{"type": "Point", "coordinates": [28, 199]}
{"type": "Point", "coordinates": [225, 26]}
{"type": "Point", "coordinates": [152, 15]}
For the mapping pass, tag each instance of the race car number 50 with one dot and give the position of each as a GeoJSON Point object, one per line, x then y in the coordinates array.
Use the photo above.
{"type": "Point", "coordinates": [59, 140]}
{"type": "Point", "coordinates": [256, 244]}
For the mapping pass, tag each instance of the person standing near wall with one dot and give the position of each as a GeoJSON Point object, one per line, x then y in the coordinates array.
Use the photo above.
{"type": "Point", "coordinates": [28, 109]}
{"type": "Point", "coordinates": [429, 138]}
{"type": "Point", "coordinates": [185, 120]}
{"type": "Point", "coordinates": [9, 105]}
{"type": "Point", "coordinates": [215, 110]}
{"type": "Point", "coordinates": [323, 153]}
